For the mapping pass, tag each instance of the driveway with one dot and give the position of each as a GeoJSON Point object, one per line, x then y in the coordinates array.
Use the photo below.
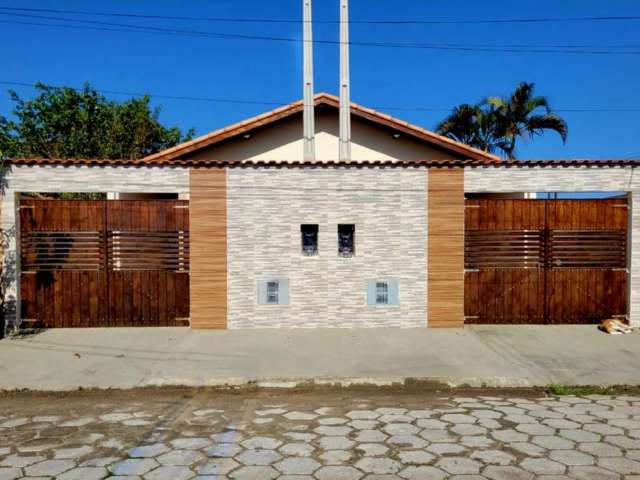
{"type": "Point", "coordinates": [481, 355]}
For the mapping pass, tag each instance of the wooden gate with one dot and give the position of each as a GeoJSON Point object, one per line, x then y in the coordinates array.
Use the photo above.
{"type": "Point", "coordinates": [104, 263]}
{"type": "Point", "coordinates": [545, 261]}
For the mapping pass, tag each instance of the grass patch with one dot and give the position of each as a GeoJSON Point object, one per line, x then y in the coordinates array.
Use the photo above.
{"type": "Point", "coordinates": [562, 389]}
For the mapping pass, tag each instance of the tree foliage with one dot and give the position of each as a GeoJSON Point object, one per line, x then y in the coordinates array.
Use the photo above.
{"type": "Point", "coordinates": [61, 122]}
{"type": "Point", "coordinates": [497, 123]}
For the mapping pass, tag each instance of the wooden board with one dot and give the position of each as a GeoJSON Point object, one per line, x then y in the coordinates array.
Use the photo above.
{"type": "Point", "coordinates": [445, 257]}
{"type": "Point", "coordinates": [208, 234]}
{"type": "Point", "coordinates": [570, 268]}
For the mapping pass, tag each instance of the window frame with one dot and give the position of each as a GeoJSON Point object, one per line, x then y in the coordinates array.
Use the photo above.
{"type": "Point", "coordinates": [391, 293]}
{"type": "Point", "coordinates": [303, 250]}
{"type": "Point", "coordinates": [352, 253]}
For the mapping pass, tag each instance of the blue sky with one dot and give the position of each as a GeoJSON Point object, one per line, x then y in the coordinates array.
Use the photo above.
{"type": "Point", "coordinates": [381, 77]}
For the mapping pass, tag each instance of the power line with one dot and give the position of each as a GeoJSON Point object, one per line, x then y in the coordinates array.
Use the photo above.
{"type": "Point", "coordinates": [606, 18]}
{"type": "Point", "coordinates": [134, 28]}
{"type": "Point", "coordinates": [272, 103]}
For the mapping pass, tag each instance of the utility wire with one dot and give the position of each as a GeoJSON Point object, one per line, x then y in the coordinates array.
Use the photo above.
{"type": "Point", "coordinates": [281, 103]}
{"type": "Point", "coordinates": [605, 18]}
{"type": "Point", "coordinates": [134, 28]}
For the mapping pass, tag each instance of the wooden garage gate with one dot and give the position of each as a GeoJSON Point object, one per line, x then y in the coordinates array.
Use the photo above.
{"type": "Point", "coordinates": [545, 261]}
{"type": "Point", "coordinates": [104, 263]}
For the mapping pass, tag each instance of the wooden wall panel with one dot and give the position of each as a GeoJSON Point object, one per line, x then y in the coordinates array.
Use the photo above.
{"type": "Point", "coordinates": [208, 209]}
{"type": "Point", "coordinates": [445, 258]}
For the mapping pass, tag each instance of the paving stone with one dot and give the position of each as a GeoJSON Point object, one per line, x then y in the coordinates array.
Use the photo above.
{"type": "Point", "coordinates": [191, 443]}
{"type": "Point", "coordinates": [254, 473]}
{"type": "Point", "coordinates": [372, 449]}
{"type": "Point", "coordinates": [420, 413]}
{"type": "Point", "coordinates": [437, 435]}
{"type": "Point", "coordinates": [78, 422]}
{"type": "Point", "coordinates": [227, 437]}
{"type": "Point", "coordinates": [445, 448]}
{"type": "Point", "coordinates": [271, 411]}
{"type": "Point", "coordinates": [99, 462]}
{"type": "Point", "coordinates": [553, 442]}
{"type": "Point", "coordinates": [466, 429]}
{"type": "Point", "coordinates": [148, 451]}
{"type": "Point", "coordinates": [396, 419]}
{"type": "Point", "coordinates": [262, 442]}
{"type": "Point", "coordinates": [579, 435]}
{"type": "Point", "coordinates": [506, 473]}
{"type": "Point", "coordinates": [220, 466]}
{"type": "Point", "coordinates": [407, 441]}
{"type": "Point", "coordinates": [332, 431]}
{"type": "Point", "coordinates": [571, 457]}
{"type": "Point", "coordinates": [621, 465]}
{"type": "Point", "coordinates": [458, 418]}
{"type": "Point", "coordinates": [335, 443]}
{"type": "Point", "coordinates": [492, 414]}
{"type": "Point", "coordinates": [459, 465]}
{"type": "Point", "coordinates": [115, 417]}
{"type": "Point", "coordinates": [603, 429]}
{"type": "Point", "coordinates": [542, 466]}
{"type": "Point", "coordinates": [170, 473]}
{"type": "Point", "coordinates": [363, 415]}
{"type": "Point", "coordinates": [535, 429]}
{"type": "Point", "coordinates": [10, 473]}
{"type": "Point", "coordinates": [223, 450]}
{"type": "Point", "coordinates": [622, 441]}
{"type": "Point", "coordinates": [301, 436]}
{"type": "Point", "coordinates": [336, 457]}
{"type": "Point", "coordinates": [20, 461]}
{"type": "Point", "coordinates": [520, 418]}
{"type": "Point", "coordinates": [77, 452]}
{"type": "Point", "coordinates": [297, 449]}
{"type": "Point", "coordinates": [600, 449]}
{"type": "Point", "coordinates": [338, 473]}
{"type": "Point", "coordinates": [378, 465]}
{"type": "Point", "coordinates": [258, 457]}
{"type": "Point", "coordinates": [332, 421]}
{"type": "Point", "coordinates": [370, 436]}
{"type": "Point", "coordinates": [363, 424]}
{"type": "Point", "coordinates": [14, 422]}
{"type": "Point", "coordinates": [207, 411]}
{"type": "Point", "coordinates": [391, 411]}
{"type": "Point", "coordinates": [561, 423]}
{"type": "Point", "coordinates": [415, 457]}
{"type": "Point", "coordinates": [179, 458]}
{"type": "Point", "coordinates": [49, 468]}
{"type": "Point", "coordinates": [528, 449]}
{"type": "Point", "coordinates": [297, 466]}
{"type": "Point", "coordinates": [133, 466]}
{"type": "Point", "coordinates": [422, 473]}
{"type": "Point", "coordinates": [400, 429]}
{"type": "Point", "coordinates": [300, 416]}
{"type": "Point", "coordinates": [493, 457]}
{"type": "Point", "coordinates": [592, 473]}
{"type": "Point", "coordinates": [431, 424]}
{"type": "Point", "coordinates": [509, 436]}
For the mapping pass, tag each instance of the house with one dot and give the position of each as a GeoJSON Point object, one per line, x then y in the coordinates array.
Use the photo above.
{"type": "Point", "coordinates": [234, 230]}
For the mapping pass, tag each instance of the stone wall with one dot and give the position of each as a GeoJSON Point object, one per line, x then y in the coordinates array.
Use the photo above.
{"type": "Point", "coordinates": [572, 179]}
{"type": "Point", "coordinates": [71, 179]}
{"type": "Point", "coordinates": [265, 210]}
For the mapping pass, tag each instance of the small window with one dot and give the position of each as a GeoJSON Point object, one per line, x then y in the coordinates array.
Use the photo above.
{"type": "Point", "coordinates": [273, 292]}
{"type": "Point", "coordinates": [309, 236]}
{"type": "Point", "coordinates": [346, 240]}
{"type": "Point", "coordinates": [382, 292]}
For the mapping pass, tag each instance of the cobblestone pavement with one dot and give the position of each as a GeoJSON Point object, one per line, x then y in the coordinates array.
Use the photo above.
{"type": "Point", "coordinates": [339, 435]}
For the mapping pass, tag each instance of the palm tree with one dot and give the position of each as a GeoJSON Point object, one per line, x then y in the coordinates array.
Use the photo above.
{"type": "Point", "coordinates": [519, 117]}
{"type": "Point", "coordinates": [496, 123]}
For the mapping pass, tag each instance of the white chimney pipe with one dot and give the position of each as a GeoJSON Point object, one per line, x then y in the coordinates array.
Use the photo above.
{"type": "Point", "coordinates": [345, 102]}
{"type": "Point", "coordinates": [308, 115]}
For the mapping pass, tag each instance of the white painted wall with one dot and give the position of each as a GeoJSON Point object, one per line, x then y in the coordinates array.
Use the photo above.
{"type": "Point", "coordinates": [283, 141]}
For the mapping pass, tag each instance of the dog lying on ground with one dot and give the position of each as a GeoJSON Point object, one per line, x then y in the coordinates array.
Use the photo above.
{"type": "Point", "coordinates": [613, 326]}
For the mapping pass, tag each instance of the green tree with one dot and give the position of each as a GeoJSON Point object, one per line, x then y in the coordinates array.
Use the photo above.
{"type": "Point", "coordinates": [61, 122]}
{"type": "Point", "coordinates": [497, 123]}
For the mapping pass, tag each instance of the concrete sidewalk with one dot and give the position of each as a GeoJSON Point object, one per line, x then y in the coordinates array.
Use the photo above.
{"type": "Point", "coordinates": [481, 355]}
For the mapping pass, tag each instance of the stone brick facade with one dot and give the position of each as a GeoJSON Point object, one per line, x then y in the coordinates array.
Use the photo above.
{"type": "Point", "coordinates": [265, 210]}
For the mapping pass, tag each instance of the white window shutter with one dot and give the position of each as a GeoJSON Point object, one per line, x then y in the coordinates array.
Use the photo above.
{"type": "Point", "coordinates": [262, 292]}
{"type": "Point", "coordinates": [394, 292]}
{"type": "Point", "coordinates": [283, 292]}
{"type": "Point", "coordinates": [371, 292]}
